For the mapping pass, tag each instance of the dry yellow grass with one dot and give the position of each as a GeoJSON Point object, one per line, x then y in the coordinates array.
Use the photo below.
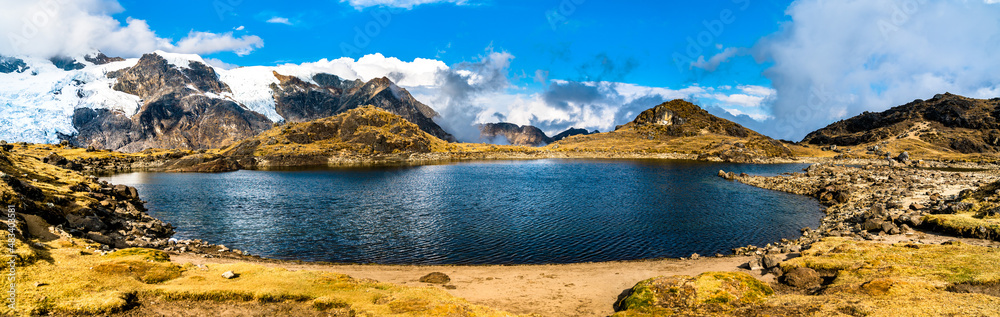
{"type": "Point", "coordinates": [73, 278]}
{"type": "Point", "coordinates": [874, 279]}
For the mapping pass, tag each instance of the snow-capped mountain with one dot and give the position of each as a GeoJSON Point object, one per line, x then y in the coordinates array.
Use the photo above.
{"type": "Point", "coordinates": [167, 100]}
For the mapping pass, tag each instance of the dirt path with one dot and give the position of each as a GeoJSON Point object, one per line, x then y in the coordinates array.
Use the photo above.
{"type": "Point", "coordinates": [588, 289]}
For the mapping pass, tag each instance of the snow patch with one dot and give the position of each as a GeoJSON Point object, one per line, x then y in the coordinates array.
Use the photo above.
{"type": "Point", "coordinates": [180, 60]}
{"type": "Point", "coordinates": [37, 105]}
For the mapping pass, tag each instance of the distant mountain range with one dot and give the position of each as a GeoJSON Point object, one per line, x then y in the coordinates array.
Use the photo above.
{"type": "Point", "coordinates": [178, 101]}
{"type": "Point", "coordinates": [164, 100]}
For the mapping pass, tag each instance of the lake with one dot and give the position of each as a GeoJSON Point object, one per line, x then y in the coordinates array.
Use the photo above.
{"type": "Point", "coordinates": [502, 212]}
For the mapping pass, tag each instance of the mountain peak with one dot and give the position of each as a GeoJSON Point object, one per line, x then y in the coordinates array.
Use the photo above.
{"type": "Point", "coordinates": [514, 134]}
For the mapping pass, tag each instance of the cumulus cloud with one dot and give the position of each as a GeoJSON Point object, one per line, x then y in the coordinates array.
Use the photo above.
{"type": "Point", "coordinates": [62, 27]}
{"type": "Point", "coordinates": [460, 87]}
{"type": "Point", "coordinates": [406, 4]}
{"type": "Point", "coordinates": [279, 20]}
{"type": "Point", "coordinates": [837, 59]}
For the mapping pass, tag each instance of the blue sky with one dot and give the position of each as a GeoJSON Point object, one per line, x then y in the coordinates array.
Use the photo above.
{"type": "Point", "coordinates": [638, 38]}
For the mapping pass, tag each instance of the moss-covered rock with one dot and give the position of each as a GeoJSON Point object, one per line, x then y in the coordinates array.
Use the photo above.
{"type": "Point", "coordinates": [710, 292]}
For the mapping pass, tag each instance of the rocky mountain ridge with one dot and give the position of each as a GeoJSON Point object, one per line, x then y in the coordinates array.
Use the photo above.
{"type": "Point", "coordinates": [513, 134]}
{"type": "Point", "coordinates": [177, 101]}
{"type": "Point", "coordinates": [946, 122]}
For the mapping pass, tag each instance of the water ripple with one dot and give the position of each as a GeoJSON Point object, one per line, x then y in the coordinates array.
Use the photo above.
{"type": "Point", "coordinates": [550, 211]}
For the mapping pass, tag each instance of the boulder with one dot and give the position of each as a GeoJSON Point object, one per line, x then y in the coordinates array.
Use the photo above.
{"type": "Point", "coordinates": [85, 223]}
{"type": "Point", "coordinates": [802, 277]}
{"type": "Point", "coordinates": [771, 261]}
{"type": "Point", "coordinates": [872, 225]}
{"type": "Point", "coordinates": [890, 228]}
{"type": "Point", "coordinates": [55, 159]}
{"type": "Point", "coordinates": [903, 157]}
{"type": "Point", "coordinates": [756, 263]}
{"type": "Point", "coordinates": [230, 275]}
{"type": "Point", "coordinates": [668, 295]}
{"type": "Point", "coordinates": [435, 278]}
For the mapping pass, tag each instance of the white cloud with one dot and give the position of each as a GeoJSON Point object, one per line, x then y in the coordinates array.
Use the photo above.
{"type": "Point", "coordinates": [239, 28]}
{"type": "Point", "coordinates": [207, 43]}
{"type": "Point", "coordinates": [61, 27]}
{"type": "Point", "coordinates": [406, 4]}
{"type": "Point", "coordinates": [713, 63]}
{"type": "Point", "coordinates": [836, 59]}
{"type": "Point", "coordinates": [217, 63]}
{"type": "Point", "coordinates": [279, 20]}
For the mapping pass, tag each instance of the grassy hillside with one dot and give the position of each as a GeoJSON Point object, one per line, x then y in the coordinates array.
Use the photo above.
{"type": "Point", "coordinates": [945, 127]}
{"type": "Point", "coordinates": [366, 130]}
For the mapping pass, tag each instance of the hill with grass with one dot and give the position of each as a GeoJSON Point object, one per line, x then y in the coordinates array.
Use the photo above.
{"type": "Point", "coordinates": [682, 127]}
{"type": "Point", "coordinates": [945, 126]}
{"type": "Point", "coordinates": [365, 133]}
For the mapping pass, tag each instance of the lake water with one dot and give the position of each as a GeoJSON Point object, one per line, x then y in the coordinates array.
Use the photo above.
{"type": "Point", "coordinates": [505, 212]}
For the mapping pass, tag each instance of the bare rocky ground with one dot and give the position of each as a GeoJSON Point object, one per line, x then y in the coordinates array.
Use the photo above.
{"type": "Point", "coordinates": [876, 200]}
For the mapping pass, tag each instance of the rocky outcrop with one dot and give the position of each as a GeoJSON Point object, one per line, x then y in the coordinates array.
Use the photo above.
{"type": "Point", "coordinates": [948, 121]}
{"type": "Point", "coordinates": [299, 101]}
{"type": "Point", "coordinates": [78, 206]}
{"type": "Point", "coordinates": [101, 59]}
{"type": "Point", "coordinates": [514, 134]}
{"type": "Point", "coordinates": [872, 201]}
{"type": "Point", "coordinates": [181, 110]}
{"type": "Point", "coordinates": [66, 63]}
{"type": "Point", "coordinates": [11, 65]}
{"type": "Point", "coordinates": [573, 132]}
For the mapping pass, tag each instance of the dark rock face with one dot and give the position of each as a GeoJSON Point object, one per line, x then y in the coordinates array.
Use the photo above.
{"type": "Point", "coordinates": [515, 134]}
{"type": "Point", "coordinates": [101, 59]}
{"type": "Point", "coordinates": [299, 101]}
{"type": "Point", "coordinates": [10, 64]}
{"type": "Point", "coordinates": [174, 115]}
{"type": "Point", "coordinates": [963, 124]}
{"type": "Point", "coordinates": [66, 63]}
{"type": "Point", "coordinates": [572, 132]}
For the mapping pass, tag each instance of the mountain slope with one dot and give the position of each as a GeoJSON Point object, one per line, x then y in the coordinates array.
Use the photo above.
{"type": "Point", "coordinates": [514, 134]}
{"type": "Point", "coordinates": [680, 126]}
{"type": "Point", "coordinates": [300, 101]}
{"type": "Point", "coordinates": [366, 131]}
{"type": "Point", "coordinates": [178, 101]}
{"type": "Point", "coordinates": [181, 110]}
{"type": "Point", "coordinates": [945, 123]}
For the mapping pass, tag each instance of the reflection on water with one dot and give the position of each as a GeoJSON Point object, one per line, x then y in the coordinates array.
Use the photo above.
{"type": "Point", "coordinates": [507, 212]}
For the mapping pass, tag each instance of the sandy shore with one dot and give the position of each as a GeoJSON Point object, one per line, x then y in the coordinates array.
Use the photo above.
{"type": "Point", "coordinates": [586, 289]}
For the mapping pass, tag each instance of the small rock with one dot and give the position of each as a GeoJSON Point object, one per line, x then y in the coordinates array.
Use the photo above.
{"type": "Point", "coordinates": [916, 206]}
{"type": "Point", "coordinates": [450, 287]}
{"type": "Point", "coordinates": [230, 275]}
{"type": "Point", "coordinates": [695, 256]}
{"type": "Point", "coordinates": [435, 278]}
